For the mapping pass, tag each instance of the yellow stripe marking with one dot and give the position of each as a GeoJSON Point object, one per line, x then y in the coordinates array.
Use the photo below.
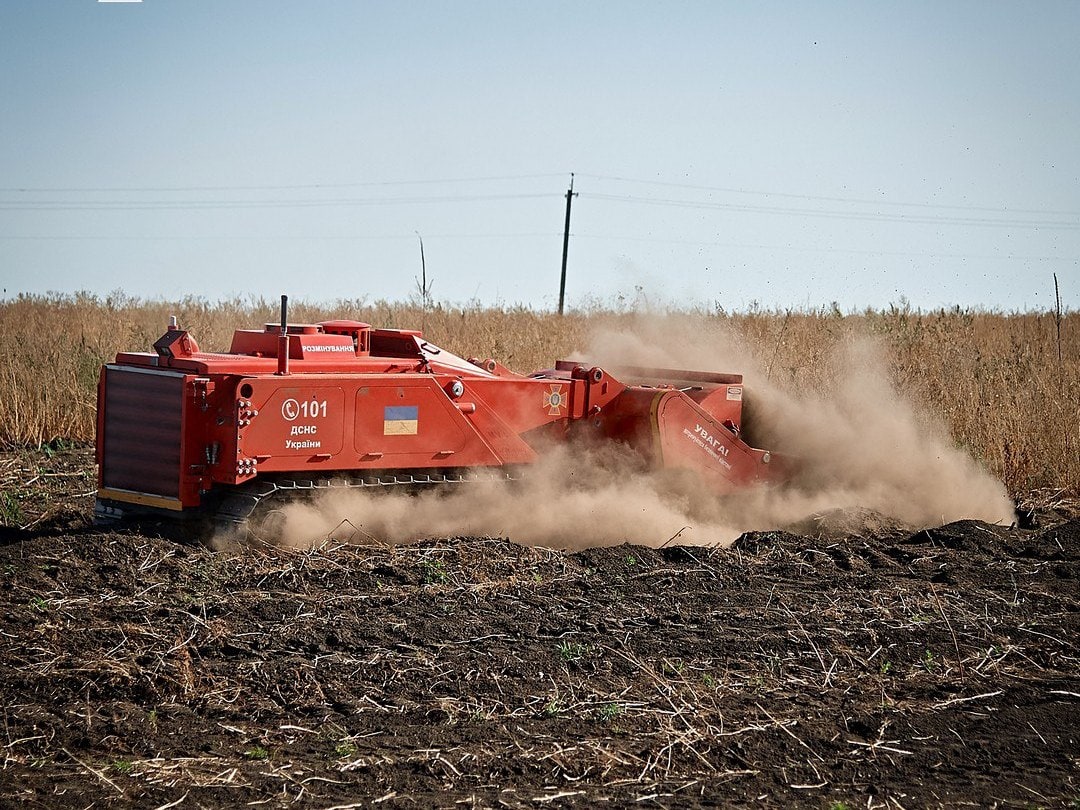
{"type": "Point", "coordinates": [141, 498]}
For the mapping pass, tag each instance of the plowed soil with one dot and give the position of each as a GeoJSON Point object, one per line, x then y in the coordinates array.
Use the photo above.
{"type": "Point", "coordinates": [903, 669]}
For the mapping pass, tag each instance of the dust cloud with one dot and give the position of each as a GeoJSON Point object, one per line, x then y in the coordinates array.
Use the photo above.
{"type": "Point", "coordinates": [865, 446]}
{"type": "Point", "coordinates": [570, 499]}
{"type": "Point", "coordinates": [858, 448]}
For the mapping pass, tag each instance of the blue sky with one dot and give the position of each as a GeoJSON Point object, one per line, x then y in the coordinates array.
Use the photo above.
{"type": "Point", "coordinates": [788, 154]}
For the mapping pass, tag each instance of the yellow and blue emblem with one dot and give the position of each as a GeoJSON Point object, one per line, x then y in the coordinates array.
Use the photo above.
{"type": "Point", "coordinates": [555, 400]}
{"type": "Point", "coordinates": [401, 420]}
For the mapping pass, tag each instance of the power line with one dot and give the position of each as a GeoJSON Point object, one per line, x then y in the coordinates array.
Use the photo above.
{"type": "Point", "coordinates": [140, 205]}
{"type": "Point", "coordinates": [296, 187]}
{"type": "Point", "coordinates": [819, 198]}
{"type": "Point", "coordinates": [848, 215]}
{"type": "Point", "coordinates": [808, 249]}
{"type": "Point", "coordinates": [537, 176]}
{"type": "Point", "coordinates": [198, 205]}
{"type": "Point", "coordinates": [275, 237]}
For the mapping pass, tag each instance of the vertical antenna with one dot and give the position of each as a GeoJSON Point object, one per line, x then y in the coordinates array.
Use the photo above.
{"type": "Point", "coordinates": [283, 338]}
{"type": "Point", "coordinates": [565, 244]}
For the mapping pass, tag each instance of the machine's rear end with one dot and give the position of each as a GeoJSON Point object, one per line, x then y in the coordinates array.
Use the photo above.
{"type": "Point", "coordinates": [140, 436]}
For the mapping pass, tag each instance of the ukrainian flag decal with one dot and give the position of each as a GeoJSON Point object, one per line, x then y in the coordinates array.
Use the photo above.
{"type": "Point", "coordinates": [400, 420]}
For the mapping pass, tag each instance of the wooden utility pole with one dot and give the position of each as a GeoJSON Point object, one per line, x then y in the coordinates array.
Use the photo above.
{"type": "Point", "coordinates": [565, 244]}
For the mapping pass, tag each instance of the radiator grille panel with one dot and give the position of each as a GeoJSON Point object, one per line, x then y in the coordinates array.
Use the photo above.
{"type": "Point", "coordinates": [142, 431]}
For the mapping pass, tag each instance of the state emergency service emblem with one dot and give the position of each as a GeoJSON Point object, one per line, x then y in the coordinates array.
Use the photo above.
{"type": "Point", "coordinates": [555, 400]}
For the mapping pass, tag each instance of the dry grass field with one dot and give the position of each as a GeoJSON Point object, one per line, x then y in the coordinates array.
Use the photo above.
{"type": "Point", "coordinates": [1005, 386]}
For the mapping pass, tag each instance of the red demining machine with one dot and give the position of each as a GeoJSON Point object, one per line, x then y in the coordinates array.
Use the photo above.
{"type": "Point", "coordinates": [296, 408]}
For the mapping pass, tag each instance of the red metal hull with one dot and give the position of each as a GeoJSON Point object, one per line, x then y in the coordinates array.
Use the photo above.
{"type": "Point", "coordinates": [178, 426]}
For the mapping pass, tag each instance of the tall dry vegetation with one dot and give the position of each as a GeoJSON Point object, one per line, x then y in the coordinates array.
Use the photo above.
{"type": "Point", "coordinates": [994, 379]}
